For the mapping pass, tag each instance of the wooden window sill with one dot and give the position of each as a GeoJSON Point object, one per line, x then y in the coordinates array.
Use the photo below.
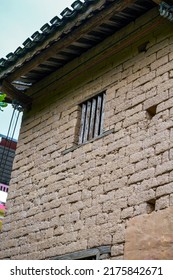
{"type": "Point", "coordinates": [76, 146]}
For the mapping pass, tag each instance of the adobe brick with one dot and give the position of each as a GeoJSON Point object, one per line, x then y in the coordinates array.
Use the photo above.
{"type": "Point", "coordinates": [123, 192]}
{"type": "Point", "coordinates": [143, 164]}
{"type": "Point", "coordinates": [135, 157]}
{"type": "Point", "coordinates": [163, 168]}
{"type": "Point", "coordinates": [170, 56]}
{"type": "Point", "coordinates": [171, 200]}
{"type": "Point", "coordinates": [162, 202]}
{"type": "Point", "coordinates": [167, 85]}
{"type": "Point", "coordinates": [137, 198]}
{"type": "Point", "coordinates": [164, 68]}
{"type": "Point", "coordinates": [143, 80]}
{"type": "Point", "coordinates": [165, 105]}
{"type": "Point", "coordinates": [101, 218]}
{"type": "Point", "coordinates": [134, 93]}
{"type": "Point", "coordinates": [119, 235]}
{"type": "Point", "coordinates": [142, 208]}
{"type": "Point", "coordinates": [149, 183]}
{"type": "Point", "coordinates": [158, 45]}
{"type": "Point", "coordinates": [164, 179]}
{"type": "Point", "coordinates": [94, 241]}
{"type": "Point", "coordinates": [119, 204]}
{"type": "Point", "coordinates": [110, 94]}
{"type": "Point", "coordinates": [159, 62]}
{"type": "Point", "coordinates": [106, 239]}
{"type": "Point", "coordinates": [165, 156]}
{"type": "Point", "coordinates": [89, 212]}
{"type": "Point", "coordinates": [164, 190]}
{"type": "Point", "coordinates": [145, 61]}
{"type": "Point", "coordinates": [133, 110]}
{"type": "Point", "coordinates": [164, 51]}
{"type": "Point", "coordinates": [138, 100]}
{"type": "Point", "coordinates": [86, 194]}
{"type": "Point", "coordinates": [127, 213]}
{"type": "Point", "coordinates": [117, 250]}
{"type": "Point", "coordinates": [115, 184]}
{"type": "Point", "coordinates": [134, 148]}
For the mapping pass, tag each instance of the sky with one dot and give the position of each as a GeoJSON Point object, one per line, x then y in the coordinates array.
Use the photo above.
{"type": "Point", "coordinates": [19, 19]}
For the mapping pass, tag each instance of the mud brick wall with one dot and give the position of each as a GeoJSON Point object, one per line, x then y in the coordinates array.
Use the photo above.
{"type": "Point", "coordinates": [64, 197]}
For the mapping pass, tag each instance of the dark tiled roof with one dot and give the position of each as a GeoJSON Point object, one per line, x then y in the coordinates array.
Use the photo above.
{"type": "Point", "coordinates": [55, 24]}
{"type": "Point", "coordinates": [64, 39]}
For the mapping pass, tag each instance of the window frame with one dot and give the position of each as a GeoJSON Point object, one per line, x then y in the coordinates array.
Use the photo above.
{"type": "Point", "coordinates": [94, 253]}
{"type": "Point", "coordinates": [92, 118]}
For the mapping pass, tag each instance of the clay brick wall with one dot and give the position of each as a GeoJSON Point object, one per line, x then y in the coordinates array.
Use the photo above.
{"type": "Point", "coordinates": [63, 197]}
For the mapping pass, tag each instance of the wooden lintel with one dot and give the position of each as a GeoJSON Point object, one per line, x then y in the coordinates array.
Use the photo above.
{"type": "Point", "coordinates": [14, 94]}
{"type": "Point", "coordinates": [69, 39]}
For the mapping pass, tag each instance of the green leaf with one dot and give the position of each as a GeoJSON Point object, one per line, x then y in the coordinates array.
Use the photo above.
{"type": "Point", "coordinates": [2, 96]}
{"type": "Point", "coordinates": [3, 104]}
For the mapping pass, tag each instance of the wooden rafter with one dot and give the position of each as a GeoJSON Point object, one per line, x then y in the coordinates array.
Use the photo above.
{"type": "Point", "coordinates": [65, 42]}
{"type": "Point", "coordinates": [15, 94]}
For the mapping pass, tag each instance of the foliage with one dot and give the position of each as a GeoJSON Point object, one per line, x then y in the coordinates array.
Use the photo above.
{"type": "Point", "coordinates": [2, 103]}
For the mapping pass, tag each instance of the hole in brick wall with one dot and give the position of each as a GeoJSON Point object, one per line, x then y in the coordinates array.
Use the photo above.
{"type": "Point", "coordinates": [152, 111]}
{"type": "Point", "coordinates": [143, 47]}
{"type": "Point", "coordinates": [151, 205]}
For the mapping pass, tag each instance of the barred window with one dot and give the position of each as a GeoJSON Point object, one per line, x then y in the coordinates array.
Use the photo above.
{"type": "Point", "coordinates": [92, 116]}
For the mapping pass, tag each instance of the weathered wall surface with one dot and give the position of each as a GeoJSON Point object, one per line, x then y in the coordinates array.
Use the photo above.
{"type": "Point", "coordinates": [61, 203]}
{"type": "Point", "coordinates": [149, 237]}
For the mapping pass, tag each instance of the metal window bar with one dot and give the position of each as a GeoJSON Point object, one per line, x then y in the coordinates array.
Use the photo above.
{"type": "Point", "coordinates": [92, 118]}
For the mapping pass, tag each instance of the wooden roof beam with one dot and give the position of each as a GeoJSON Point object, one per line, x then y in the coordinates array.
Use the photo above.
{"type": "Point", "coordinates": [15, 94]}
{"type": "Point", "coordinates": [69, 39]}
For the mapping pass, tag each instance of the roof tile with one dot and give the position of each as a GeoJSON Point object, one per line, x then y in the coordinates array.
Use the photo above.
{"type": "Point", "coordinates": [46, 30]}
